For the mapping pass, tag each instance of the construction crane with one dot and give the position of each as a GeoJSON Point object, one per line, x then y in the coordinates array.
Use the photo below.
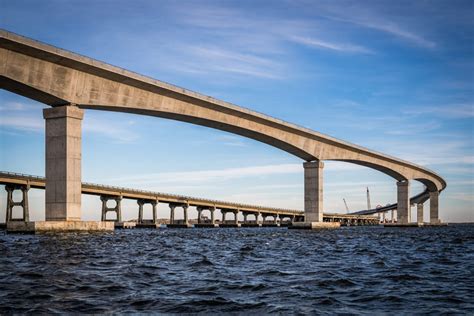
{"type": "Point", "coordinates": [368, 199]}
{"type": "Point", "coordinates": [345, 203]}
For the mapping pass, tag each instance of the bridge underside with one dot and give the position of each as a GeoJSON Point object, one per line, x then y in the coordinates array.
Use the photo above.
{"type": "Point", "coordinates": [71, 83]}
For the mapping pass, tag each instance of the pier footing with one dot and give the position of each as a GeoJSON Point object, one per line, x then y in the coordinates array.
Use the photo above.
{"type": "Point", "coordinates": [125, 225]}
{"type": "Point", "coordinates": [229, 225]}
{"type": "Point", "coordinates": [179, 225]}
{"type": "Point", "coordinates": [147, 225]}
{"type": "Point", "coordinates": [58, 226]}
{"type": "Point", "coordinates": [314, 225]}
{"type": "Point", "coordinates": [206, 225]}
{"type": "Point", "coordinates": [250, 225]}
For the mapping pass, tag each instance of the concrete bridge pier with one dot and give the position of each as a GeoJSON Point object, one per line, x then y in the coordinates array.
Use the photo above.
{"type": "Point", "coordinates": [11, 203]}
{"type": "Point", "coordinates": [313, 197]}
{"type": "Point", "coordinates": [403, 202]}
{"type": "Point", "coordinates": [63, 175]}
{"type": "Point", "coordinates": [117, 208]}
{"type": "Point", "coordinates": [419, 213]}
{"type": "Point", "coordinates": [434, 212]}
{"type": "Point", "coordinates": [202, 224]}
{"type": "Point", "coordinates": [393, 216]}
{"type": "Point", "coordinates": [234, 223]}
{"type": "Point", "coordinates": [173, 222]}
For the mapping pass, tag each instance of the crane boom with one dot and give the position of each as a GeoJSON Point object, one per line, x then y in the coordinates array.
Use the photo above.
{"type": "Point", "coordinates": [368, 199]}
{"type": "Point", "coordinates": [345, 203]}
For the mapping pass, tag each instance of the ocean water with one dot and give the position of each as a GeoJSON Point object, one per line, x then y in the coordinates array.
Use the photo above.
{"type": "Point", "coordinates": [360, 270]}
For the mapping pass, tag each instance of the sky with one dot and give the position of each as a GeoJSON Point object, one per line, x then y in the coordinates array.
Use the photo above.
{"type": "Point", "coordinates": [393, 76]}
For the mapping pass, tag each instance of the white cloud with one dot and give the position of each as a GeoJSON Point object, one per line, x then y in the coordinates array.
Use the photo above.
{"type": "Point", "coordinates": [344, 48]}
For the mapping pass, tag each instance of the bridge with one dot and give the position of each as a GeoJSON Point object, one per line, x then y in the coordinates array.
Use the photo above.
{"type": "Point", "coordinates": [71, 83]}
{"type": "Point", "coordinates": [23, 182]}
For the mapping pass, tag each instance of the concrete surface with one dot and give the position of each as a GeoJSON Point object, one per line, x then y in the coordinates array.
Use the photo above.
{"type": "Point", "coordinates": [58, 226]}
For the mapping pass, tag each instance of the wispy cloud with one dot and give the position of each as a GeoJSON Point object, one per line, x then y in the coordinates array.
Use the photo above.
{"type": "Point", "coordinates": [454, 111]}
{"type": "Point", "coordinates": [28, 117]}
{"type": "Point", "coordinates": [344, 48]}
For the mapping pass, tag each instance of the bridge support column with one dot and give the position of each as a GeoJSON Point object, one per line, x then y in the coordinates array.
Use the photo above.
{"type": "Point", "coordinates": [63, 163]}
{"type": "Point", "coordinates": [313, 191]}
{"type": "Point", "coordinates": [185, 214]}
{"type": "Point", "coordinates": [140, 211]}
{"type": "Point", "coordinates": [419, 213]}
{"type": "Point", "coordinates": [153, 205]}
{"type": "Point", "coordinates": [403, 202]}
{"type": "Point", "coordinates": [117, 208]}
{"type": "Point", "coordinates": [393, 216]}
{"type": "Point", "coordinates": [199, 210]}
{"type": "Point", "coordinates": [313, 198]}
{"type": "Point", "coordinates": [23, 203]}
{"type": "Point", "coordinates": [172, 208]}
{"type": "Point", "coordinates": [212, 209]}
{"type": "Point", "coordinates": [434, 211]}
{"type": "Point", "coordinates": [383, 217]}
{"type": "Point", "coordinates": [236, 218]}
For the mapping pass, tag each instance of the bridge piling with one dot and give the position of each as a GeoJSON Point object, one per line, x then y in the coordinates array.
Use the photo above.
{"type": "Point", "coordinates": [11, 203]}
{"type": "Point", "coordinates": [419, 213]}
{"type": "Point", "coordinates": [403, 202]}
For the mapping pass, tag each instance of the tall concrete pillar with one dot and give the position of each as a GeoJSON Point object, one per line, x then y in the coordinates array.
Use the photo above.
{"type": "Point", "coordinates": [63, 163]}
{"type": "Point", "coordinates": [153, 205]}
{"type": "Point", "coordinates": [383, 217]}
{"type": "Point", "coordinates": [403, 202]}
{"type": "Point", "coordinates": [223, 216]}
{"type": "Point", "coordinates": [172, 207]}
{"type": "Point", "coordinates": [434, 211]}
{"type": "Point", "coordinates": [236, 218]}
{"type": "Point", "coordinates": [275, 218]}
{"type": "Point", "coordinates": [393, 217]}
{"type": "Point", "coordinates": [313, 191]}
{"type": "Point", "coordinates": [419, 213]}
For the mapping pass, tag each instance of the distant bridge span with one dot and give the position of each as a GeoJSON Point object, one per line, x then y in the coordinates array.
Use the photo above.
{"type": "Point", "coordinates": [69, 83]}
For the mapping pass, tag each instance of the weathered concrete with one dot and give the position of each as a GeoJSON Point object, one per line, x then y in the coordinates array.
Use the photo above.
{"type": "Point", "coordinates": [58, 226]}
{"type": "Point", "coordinates": [10, 188]}
{"type": "Point", "coordinates": [206, 225]}
{"type": "Point", "coordinates": [125, 225]}
{"type": "Point", "coordinates": [403, 202]}
{"type": "Point", "coordinates": [434, 212]}
{"type": "Point", "coordinates": [313, 191]}
{"type": "Point", "coordinates": [403, 225]}
{"type": "Point", "coordinates": [419, 213]}
{"type": "Point", "coordinates": [314, 225]}
{"type": "Point", "coordinates": [63, 163]}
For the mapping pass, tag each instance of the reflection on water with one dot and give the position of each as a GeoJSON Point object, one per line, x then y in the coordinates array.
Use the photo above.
{"type": "Point", "coordinates": [350, 270]}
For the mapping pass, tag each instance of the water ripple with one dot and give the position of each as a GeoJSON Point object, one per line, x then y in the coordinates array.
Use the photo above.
{"type": "Point", "coordinates": [252, 271]}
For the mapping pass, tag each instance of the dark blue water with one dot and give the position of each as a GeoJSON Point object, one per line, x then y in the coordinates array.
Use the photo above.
{"type": "Point", "coordinates": [351, 270]}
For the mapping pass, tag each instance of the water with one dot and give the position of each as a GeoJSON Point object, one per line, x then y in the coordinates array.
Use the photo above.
{"type": "Point", "coordinates": [248, 271]}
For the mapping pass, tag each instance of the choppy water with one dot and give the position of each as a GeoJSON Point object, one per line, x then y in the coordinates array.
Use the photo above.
{"type": "Point", "coordinates": [350, 270]}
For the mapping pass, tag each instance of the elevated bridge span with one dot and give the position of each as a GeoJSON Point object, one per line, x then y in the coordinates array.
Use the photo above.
{"type": "Point", "coordinates": [71, 83]}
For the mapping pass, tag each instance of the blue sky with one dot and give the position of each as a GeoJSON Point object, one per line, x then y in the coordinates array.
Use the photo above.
{"type": "Point", "coordinates": [396, 77]}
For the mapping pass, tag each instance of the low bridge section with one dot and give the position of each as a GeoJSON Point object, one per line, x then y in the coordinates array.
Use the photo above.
{"type": "Point", "coordinates": [251, 213]}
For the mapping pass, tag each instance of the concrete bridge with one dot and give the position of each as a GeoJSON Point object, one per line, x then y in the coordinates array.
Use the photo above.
{"type": "Point", "coordinates": [71, 83]}
{"type": "Point", "coordinates": [251, 213]}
